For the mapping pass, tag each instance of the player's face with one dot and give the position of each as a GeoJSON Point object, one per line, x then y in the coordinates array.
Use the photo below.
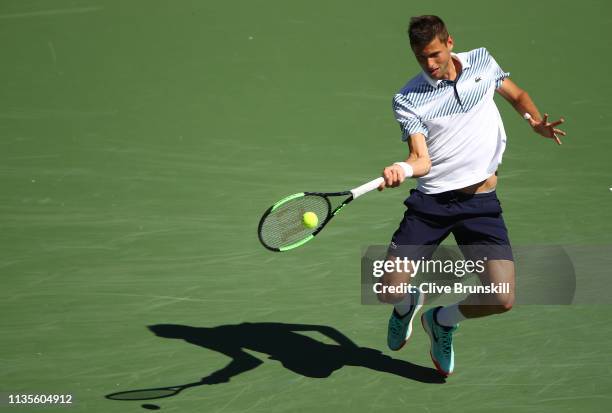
{"type": "Point", "coordinates": [435, 58]}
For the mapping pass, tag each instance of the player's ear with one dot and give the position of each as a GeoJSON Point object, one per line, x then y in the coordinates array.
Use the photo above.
{"type": "Point", "coordinates": [450, 42]}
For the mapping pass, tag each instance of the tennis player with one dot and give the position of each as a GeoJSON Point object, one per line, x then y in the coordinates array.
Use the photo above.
{"type": "Point", "coordinates": [456, 140]}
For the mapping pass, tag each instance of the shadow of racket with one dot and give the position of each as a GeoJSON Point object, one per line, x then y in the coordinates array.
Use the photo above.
{"type": "Point", "coordinates": [155, 393]}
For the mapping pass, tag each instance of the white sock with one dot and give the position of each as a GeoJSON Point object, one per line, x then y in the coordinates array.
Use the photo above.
{"type": "Point", "coordinates": [449, 316]}
{"type": "Point", "coordinates": [404, 306]}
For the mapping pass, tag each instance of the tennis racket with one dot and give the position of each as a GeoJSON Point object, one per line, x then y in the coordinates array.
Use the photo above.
{"type": "Point", "coordinates": [282, 228]}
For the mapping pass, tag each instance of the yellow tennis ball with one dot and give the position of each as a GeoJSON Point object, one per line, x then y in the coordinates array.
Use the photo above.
{"type": "Point", "coordinates": [310, 219]}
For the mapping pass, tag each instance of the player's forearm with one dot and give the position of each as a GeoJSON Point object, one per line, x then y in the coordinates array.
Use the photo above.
{"type": "Point", "coordinates": [524, 104]}
{"type": "Point", "coordinates": [414, 167]}
{"type": "Point", "coordinates": [421, 165]}
{"type": "Point", "coordinates": [418, 164]}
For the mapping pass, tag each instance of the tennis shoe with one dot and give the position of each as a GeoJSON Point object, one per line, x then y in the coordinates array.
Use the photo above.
{"type": "Point", "coordinates": [441, 337]}
{"type": "Point", "coordinates": [400, 327]}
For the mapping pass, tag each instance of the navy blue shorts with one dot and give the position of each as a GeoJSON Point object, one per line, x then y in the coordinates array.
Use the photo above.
{"type": "Point", "coordinates": [475, 220]}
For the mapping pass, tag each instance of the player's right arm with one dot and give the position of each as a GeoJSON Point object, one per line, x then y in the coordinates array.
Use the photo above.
{"type": "Point", "coordinates": [418, 160]}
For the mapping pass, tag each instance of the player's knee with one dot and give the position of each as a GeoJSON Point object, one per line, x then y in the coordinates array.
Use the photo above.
{"type": "Point", "coordinates": [503, 308]}
{"type": "Point", "coordinates": [504, 303]}
{"type": "Point", "coordinates": [390, 298]}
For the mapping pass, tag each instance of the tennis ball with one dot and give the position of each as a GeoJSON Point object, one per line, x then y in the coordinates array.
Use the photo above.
{"type": "Point", "coordinates": [310, 219]}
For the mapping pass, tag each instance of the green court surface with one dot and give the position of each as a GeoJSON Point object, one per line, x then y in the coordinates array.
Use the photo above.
{"type": "Point", "coordinates": [142, 141]}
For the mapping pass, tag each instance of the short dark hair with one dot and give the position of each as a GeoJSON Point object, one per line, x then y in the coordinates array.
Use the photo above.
{"type": "Point", "coordinates": [422, 30]}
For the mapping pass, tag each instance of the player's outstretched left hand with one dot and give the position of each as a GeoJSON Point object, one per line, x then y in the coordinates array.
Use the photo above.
{"type": "Point", "coordinates": [548, 129]}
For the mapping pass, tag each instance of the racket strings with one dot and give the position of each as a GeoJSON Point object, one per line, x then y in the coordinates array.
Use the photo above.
{"type": "Point", "coordinates": [285, 226]}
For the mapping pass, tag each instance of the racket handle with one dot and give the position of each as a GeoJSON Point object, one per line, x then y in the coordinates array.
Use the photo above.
{"type": "Point", "coordinates": [365, 188]}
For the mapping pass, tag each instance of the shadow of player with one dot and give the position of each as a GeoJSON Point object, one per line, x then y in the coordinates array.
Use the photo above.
{"type": "Point", "coordinates": [284, 343]}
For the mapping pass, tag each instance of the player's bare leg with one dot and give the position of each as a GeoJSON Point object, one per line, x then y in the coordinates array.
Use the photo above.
{"type": "Point", "coordinates": [406, 304]}
{"type": "Point", "coordinates": [440, 323]}
{"type": "Point", "coordinates": [482, 305]}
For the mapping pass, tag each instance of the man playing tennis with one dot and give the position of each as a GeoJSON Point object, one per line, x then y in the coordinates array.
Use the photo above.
{"type": "Point", "coordinates": [456, 140]}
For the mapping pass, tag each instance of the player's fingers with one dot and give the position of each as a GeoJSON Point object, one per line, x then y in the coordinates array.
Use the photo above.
{"type": "Point", "coordinates": [388, 177]}
{"type": "Point", "coordinates": [395, 178]}
{"type": "Point", "coordinates": [400, 176]}
{"type": "Point", "coordinates": [559, 132]}
{"type": "Point", "coordinates": [545, 120]}
{"type": "Point", "coordinates": [382, 184]}
{"type": "Point", "coordinates": [556, 138]}
{"type": "Point", "coordinates": [558, 122]}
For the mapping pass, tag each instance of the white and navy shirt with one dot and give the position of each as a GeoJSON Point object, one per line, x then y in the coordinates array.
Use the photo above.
{"type": "Point", "coordinates": [463, 129]}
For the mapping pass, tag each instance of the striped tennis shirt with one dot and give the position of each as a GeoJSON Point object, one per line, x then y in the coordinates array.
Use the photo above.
{"type": "Point", "coordinates": [463, 129]}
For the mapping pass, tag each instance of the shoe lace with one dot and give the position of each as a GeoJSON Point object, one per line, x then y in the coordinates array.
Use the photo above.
{"type": "Point", "coordinates": [445, 342]}
{"type": "Point", "coordinates": [396, 326]}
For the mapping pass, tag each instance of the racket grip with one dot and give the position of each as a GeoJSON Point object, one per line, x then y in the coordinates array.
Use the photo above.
{"type": "Point", "coordinates": [365, 188]}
